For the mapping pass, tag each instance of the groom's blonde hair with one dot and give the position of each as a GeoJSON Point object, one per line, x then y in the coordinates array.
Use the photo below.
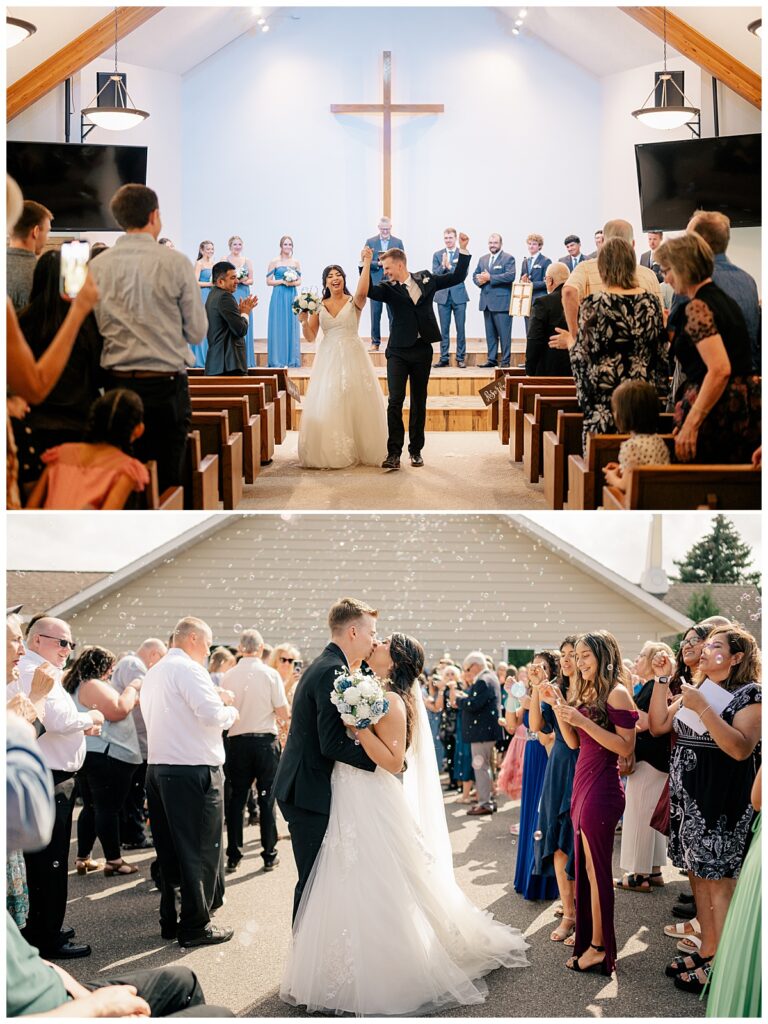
{"type": "Point", "coordinates": [346, 610]}
{"type": "Point", "coordinates": [392, 254]}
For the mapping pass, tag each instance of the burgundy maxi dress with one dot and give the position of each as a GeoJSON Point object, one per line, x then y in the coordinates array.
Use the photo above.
{"type": "Point", "coordinates": [596, 806]}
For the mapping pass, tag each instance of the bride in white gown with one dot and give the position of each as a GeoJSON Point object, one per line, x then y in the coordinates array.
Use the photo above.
{"type": "Point", "coordinates": [383, 928]}
{"type": "Point", "coordinates": [343, 414]}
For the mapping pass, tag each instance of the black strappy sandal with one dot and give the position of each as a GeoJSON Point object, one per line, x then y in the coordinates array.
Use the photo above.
{"type": "Point", "coordinates": [573, 963]}
{"type": "Point", "coordinates": [679, 966]}
{"type": "Point", "coordinates": [689, 982]}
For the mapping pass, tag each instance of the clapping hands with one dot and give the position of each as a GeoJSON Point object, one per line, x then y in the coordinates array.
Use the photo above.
{"type": "Point", "coordinates": [248, 303]}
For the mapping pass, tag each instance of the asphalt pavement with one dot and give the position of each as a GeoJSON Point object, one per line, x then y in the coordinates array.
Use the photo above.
{"type": "Point", "coordinates": [119, 917]}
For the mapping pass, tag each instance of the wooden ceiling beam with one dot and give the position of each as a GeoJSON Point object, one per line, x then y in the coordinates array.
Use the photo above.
{"type": "Point", "coordinates": [95, 42]}
{"type": "Point", "coordinates": [710, 57]}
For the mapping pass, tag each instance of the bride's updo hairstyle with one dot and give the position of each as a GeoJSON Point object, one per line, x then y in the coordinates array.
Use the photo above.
{"type": "Point", "coordinates": [407, 657]}
{"type": "Point", "coordinates": [326, 272]}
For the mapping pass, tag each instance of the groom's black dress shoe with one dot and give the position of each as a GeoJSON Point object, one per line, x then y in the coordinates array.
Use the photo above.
{"type": "Point", "coordinates": [391, 462]}
{"type": "Point", "coordinates": [212, 936]}
{"type": "Point", "coordinates": [416, 460]}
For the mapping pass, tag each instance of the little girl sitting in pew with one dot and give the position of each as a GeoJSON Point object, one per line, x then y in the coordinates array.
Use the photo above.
{"type": "Point", "coordinates": [635, 406]}
{"type": "Point", "coordinates": [99, 472]}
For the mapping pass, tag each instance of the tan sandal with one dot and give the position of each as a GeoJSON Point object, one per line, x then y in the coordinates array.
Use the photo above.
{"type": "Point", "coordinates": [85, 864]}
{"type": "Point", "coordinates": [119, 867]}
{"type": "Point", "coordinates": [683, 928]}
{"type": "Point", "coordinates": [565, 929]}
{"type": "Point", "coordinates": [571, 940]}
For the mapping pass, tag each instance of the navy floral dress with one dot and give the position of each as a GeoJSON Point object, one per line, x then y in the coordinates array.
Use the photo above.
{"type": "Point", "coordinates": [710, 809]}
{"type": "Point", "coordinates": [621, 337]}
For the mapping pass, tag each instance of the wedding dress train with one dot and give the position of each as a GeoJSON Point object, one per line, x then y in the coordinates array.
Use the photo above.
{"type": "Point", "coordinates": [343, 414]}
{"type": "Point", "coordinates": [383, 929]}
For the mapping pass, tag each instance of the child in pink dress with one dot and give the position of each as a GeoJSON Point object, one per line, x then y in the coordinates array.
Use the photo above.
{"type": "Point", "coordinates": [511, 773]}
{"type": "Point", "coordinates": [99, 472]}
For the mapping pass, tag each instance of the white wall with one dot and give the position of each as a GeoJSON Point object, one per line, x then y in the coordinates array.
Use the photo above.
{"type": "Point", "coordinates": [263, 156]}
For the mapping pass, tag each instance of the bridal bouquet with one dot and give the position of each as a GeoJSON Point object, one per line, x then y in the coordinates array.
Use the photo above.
{"type": "Point", "coordinates": [359, 698]}
{"type": "Point", "coordinates": [290, 276]}
{"type": "Point", "coordinates": [306, 302]}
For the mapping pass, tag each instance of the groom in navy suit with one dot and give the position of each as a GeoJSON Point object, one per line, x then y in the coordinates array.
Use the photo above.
{"type": "Point", "coordinates": [380, 244]}
{"type": "Point", "coordinates": [409, 350]}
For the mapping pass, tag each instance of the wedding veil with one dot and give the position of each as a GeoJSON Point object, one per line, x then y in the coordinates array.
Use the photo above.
{"type": "Point", "coordinates": [423, 793]}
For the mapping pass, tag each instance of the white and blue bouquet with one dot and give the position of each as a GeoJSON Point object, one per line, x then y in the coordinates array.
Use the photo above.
{"type": "Point", "coordinates": [359, 698]}
{"type": "Point", "coordinates": [306, 302]}
{"type": "Point", "coordinates": [290, 276]}
{"type": "Point", "coordinates": [242, 272]}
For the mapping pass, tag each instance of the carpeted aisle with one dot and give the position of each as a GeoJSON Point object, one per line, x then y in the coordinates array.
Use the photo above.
{"type": "Point", "coordinates": [462, 471]}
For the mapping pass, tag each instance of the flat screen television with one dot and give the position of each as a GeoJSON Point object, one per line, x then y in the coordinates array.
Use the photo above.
{"type": "Point", "coordinates": [76, 182]}
{"type": "Point", "coordinates": [677, 178]}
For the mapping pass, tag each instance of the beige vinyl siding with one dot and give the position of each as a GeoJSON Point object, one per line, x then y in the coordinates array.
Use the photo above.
{"type": "Point", "coordinates": [455, 582]}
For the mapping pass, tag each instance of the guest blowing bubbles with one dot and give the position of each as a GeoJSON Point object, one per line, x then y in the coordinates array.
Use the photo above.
{"type": "Point", "coordinates": [711, 776]}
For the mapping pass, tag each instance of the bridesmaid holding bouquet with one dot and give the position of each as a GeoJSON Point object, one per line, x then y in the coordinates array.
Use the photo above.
{"type": "Point", "coordinates": [284, 278]}
{"type": "Point", "coordinates": [203, 271]}
{"type": "Point", "coordinates": [244, 269]}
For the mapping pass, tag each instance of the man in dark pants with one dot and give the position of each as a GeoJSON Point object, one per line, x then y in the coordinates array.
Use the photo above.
{"type": "Point", "coordinates": [317, 738]}
{"type": "Point", "coordinates": [185, 783]}
{"type": "Point", "coordinates": [409, 349]}
{"type": "Point", "coordinates": [149, 312]}
{"type": "Point", "coordinates": [253, 749]}
{"type": "Point", "coordinates": [227, 324]}
{"type": "Point", "coordinates": [480, 713]}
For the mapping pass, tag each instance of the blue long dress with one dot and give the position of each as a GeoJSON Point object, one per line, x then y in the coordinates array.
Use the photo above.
{"type": "Point", "coordinates": [242, 292]}
{"type": "Point", "coordinates": [283, 347]}
{"type": "Point", "coordinates": [532, 887]}
{"type": "Point", "coordinates": [555, 806]}
{"type": "Point", "coordinates": [462, 758]}
{"type": "Point", "coordinates": [201, 351]}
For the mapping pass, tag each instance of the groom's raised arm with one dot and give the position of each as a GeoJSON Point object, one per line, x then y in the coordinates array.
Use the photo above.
{"type": "Point", "coordinates": [334, 742]}
{"type": "Point", "coordinates": [456, 276]}
{"type": "Point", "coordinates": [378, 292]}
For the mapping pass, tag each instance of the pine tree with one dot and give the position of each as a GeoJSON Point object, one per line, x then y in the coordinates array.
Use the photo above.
{"type": "Point", "coordinates": [702, 605]}
{"type": "Point", "coordinates": [719, 557]}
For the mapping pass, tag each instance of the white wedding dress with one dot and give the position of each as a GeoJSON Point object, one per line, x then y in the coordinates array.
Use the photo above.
{"type": "Point", "coordinates": [343, 414]}
{"type": "Point", "coordinates": [383, 928]}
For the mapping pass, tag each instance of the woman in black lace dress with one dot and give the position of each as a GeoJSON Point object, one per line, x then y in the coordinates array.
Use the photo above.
{"type": "Point", "coordinates": [717, 405]}
{"type": "Point", "coordinates": [620, 337]}
{"type": "Point", "coordinates": [710, 780]}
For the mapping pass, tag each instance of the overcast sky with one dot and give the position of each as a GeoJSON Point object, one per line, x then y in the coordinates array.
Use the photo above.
{"type": "Point", "coordinates": [94, 541]}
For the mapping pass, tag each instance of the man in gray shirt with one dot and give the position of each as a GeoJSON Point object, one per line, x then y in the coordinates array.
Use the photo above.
{"type": "Point", "coordinates": [28, 239]}
{"type": "Point", "coordinates": [149, 313]}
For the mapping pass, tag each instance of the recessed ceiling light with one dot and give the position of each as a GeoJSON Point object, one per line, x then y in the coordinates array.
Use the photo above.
{"type": "Point", "coordinates": [265, 28]}
{"type": "Point", "coordinates": [515, 31]}
{"type": "Point", "coordinates": [519, 22]}
{"type": "Point", "coordinates": [523, 12]}
{"type": "Point", "coordinates": [261, 21]}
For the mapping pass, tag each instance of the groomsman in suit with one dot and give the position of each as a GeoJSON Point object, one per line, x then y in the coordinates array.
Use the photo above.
{"type": "Point", "coordinates": [648, 259]}
{"type": "Point", "coordinates": [533, 269]}
{"type": "Point", "coordinates": [599, 239]}
{"type": "Point", "coordinates": [450, 299]}
{"type": "Point", "coordinates": [480, 712]}
{"type": "Point", "coordinates": [227, 323]}
{"type": "Point", "coordinates": [409, 351]}
{"type": "Point", "coordinates": [494, 275]}
{"type": "Point", "coordinates": [541, 360]}
{"type": "Point", "coordinates": [575, 256]}
{"type": "Point", "coordinates": [185, 715]}
{"type": "Point", "coordinates": [380, 243]}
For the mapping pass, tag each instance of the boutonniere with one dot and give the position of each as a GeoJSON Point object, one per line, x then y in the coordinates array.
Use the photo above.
{"type": "Point", "coordinates": [425, 279]}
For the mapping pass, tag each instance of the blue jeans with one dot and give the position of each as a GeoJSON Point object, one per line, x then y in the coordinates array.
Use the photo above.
{"type": "Point", "coordinates": [460, 315]}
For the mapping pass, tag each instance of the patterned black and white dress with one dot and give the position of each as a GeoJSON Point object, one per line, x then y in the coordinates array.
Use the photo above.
{"type": "Point", "coordinates": [620, 337]}
{"type": "Point", "coordinates": [710, 809]}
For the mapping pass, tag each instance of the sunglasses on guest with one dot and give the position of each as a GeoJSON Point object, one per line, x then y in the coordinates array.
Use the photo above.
{"type": "Point", "coordinates": [287, 661]}
{"type": "Point", "coordinates": [62, 643]}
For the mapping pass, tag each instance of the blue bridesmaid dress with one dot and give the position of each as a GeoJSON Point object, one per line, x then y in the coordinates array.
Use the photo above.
{"type": "Point", "coordinates": [201, 351]}
{"type": "Point", "coordinates": [555, 808]}
{"type": "Point", "coordinates": [283, 347]}
{"type": "Point", "coordinates": [532, 887]}
{"type": "Point", "coordinates": [242, 292]}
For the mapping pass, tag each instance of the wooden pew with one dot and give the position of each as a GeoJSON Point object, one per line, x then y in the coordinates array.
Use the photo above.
{"type": "Point", "coordinates": [216, 439]}
{"type": "Point", "coordinates": [276, 392]}
{"type": "Point", "coordinates": [688, 487]}
{"type": "Point", "coordinates": [201, 475]}
{"type": "Point", "coordinates": [585, 472]}
{"type": "Point", "coordinates": [557, 445]}
{"type": "Point", "coordinates": [524, 403]}
{"type": "Point", "coordinates": [256, 394]}
{"type": "Point", "coordinates": [172, 498]}
{"type": "Point", "coordinates": [499, 373]}
{"type": "Point", "coordinates": [512, 382]}
{"type": "Point", "coordinates": [543, 417]}
{"type": "Point", "coordinates": [240, 419]}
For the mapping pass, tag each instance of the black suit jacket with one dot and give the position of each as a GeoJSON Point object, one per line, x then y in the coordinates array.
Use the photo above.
{"type": "Point", "coordinates": [481, 709]}
{"type": "Point", "coordinates": [541, 360]}
{"type": "Point", "coordinates": [317, 739]}
{"type": "Point", "coordinates": [415, 323]}
{"type": "Point", "coordinates": [226, 333]}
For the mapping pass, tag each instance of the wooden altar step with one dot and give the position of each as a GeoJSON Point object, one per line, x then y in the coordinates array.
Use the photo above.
{"type": "Point", "coordinates": [477, 352]}
{"type": "Point", "coordinates": [448, 382]}
{"type": "Point", "coordinates": [444, 413]}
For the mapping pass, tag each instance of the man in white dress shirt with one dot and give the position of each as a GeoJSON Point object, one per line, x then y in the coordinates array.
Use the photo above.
{"type": "Point", "coordinates": [253, 749]}
{"type": "Point", "coordinates": [185, 715]}
{"type": "Point", "coordinates": [49, 642]}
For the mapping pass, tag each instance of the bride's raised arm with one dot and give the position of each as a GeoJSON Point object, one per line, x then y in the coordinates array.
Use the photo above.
{"type": "Point", "coordinates": [365, 278]}
{"type": "Point", "coordinates": [386, 746]}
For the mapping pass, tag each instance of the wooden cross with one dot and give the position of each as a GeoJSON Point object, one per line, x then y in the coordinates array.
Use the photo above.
{"type": "Point", "coordinates": [387, 108]}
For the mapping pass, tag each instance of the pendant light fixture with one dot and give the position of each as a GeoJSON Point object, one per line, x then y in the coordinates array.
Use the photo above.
{"type": "Point", "coordinates": [672, 108]}
{"type": "Point", "coordinates": [123, 114]}
{"type": "Point", "coordinates": [756, 28]}
{"type": "Point", "coordinates": [16, 31]}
